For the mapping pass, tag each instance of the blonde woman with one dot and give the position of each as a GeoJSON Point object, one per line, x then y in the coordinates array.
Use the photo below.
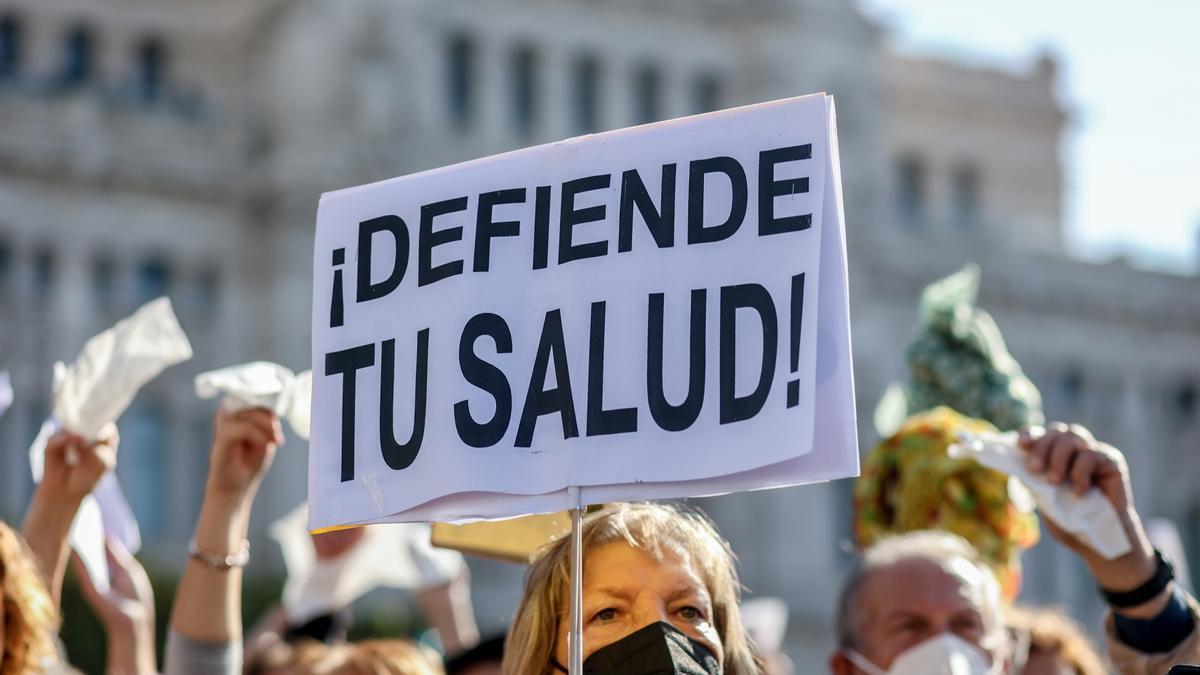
{"type": "Point", "coordinates": [28, 616]}
{"type": "Point", "coordinates": [370, 657]}
{"type": "Point", "coordinates": [660, 594]}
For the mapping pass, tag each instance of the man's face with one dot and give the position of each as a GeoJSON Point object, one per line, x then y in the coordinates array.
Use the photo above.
{"type": "Point", "coordinates": [904, 604]}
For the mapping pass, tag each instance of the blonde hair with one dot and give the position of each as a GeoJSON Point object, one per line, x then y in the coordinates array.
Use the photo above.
{"type": "Point", "coordinates": [941, 548]}
{"type": "Point", "coordinates": [655, 529]}
{"type": "Point", "coordinates": [30, 616]}
{"type": "Point", "coordinates": [1051, 630]}
{"type": "Point", "coordinates": [369, 657]}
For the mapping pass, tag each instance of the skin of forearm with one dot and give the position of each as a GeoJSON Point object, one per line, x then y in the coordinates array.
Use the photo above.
{"type": "Point", "coordinates": [46, 529]}
{"type": "Point", "coordinates": [208, 603]}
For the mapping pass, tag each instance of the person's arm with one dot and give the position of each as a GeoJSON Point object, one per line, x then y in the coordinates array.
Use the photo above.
{"type": "Point", "coordinates": [73, 467]}
{"type": "Point", "coordinates": [1162, 627]}
{"type": "Point", "coordinates": [207, 608]}
{"type": "Point", "coordinates": [126, 611]}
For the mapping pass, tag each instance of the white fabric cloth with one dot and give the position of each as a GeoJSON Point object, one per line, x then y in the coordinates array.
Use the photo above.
{"type": "Point", "coordinates": [114, 365]}
{"type": "Point", "coordinates": [262, 384]}
{"type": "Point", "coordinates": [391, 556]}
{"type": "Point", "coordinates": [1091, 517]}
{"type": "Point", "coordinates": [89, 395]}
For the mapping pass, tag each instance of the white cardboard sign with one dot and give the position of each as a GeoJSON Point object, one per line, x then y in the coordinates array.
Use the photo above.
{"type": "Point", "coordinates": [652, 312]}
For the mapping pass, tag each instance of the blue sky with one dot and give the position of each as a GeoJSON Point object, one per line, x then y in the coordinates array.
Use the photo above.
{"type": "Point", "coordinates": [1130, 80]}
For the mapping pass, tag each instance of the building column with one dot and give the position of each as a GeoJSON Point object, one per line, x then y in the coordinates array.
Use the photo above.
{"type": "Point", "coordinates": [492, 104]}
{"type": "Point", "coordinates": [555, 100]}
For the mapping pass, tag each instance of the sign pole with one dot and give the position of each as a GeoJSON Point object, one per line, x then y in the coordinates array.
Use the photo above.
{"type": "Point", "coordinates": [575, 636]}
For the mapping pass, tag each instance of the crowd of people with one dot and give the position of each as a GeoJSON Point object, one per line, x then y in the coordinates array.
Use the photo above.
{"type": "Point", "coordinates": [660, 589]}
{"type": "Point", "coordinates": [933, 590]}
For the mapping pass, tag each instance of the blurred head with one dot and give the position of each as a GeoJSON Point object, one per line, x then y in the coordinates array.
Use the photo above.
{"type": "Point", "coordinates": [643, 564]}
{"type": "Point", "coordinates": [1057, 645]}
{"type": "Point", "coordinates": [922, 590]}
{"type": "Point", "coordinates": [370, 657]}
{"type": "Point", "coordinates": [334, 543]}
{"type": "Point", "coordinates": [28, 616]}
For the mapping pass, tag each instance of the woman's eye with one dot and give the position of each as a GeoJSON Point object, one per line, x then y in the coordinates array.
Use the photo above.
{"type": "Point", "coordinates": [691, 613]}
{"type": "Point", "coordinates": [606, 614]}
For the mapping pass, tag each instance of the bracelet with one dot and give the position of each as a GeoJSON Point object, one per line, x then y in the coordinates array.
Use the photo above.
{"type": "Point", "coordinates": [1164, 574]}
{"type": "Point", "coordinates": [220, 563]}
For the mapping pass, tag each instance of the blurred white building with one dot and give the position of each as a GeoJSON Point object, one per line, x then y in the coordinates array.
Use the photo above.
{"type": "Point", "coordinates": [180, 147]}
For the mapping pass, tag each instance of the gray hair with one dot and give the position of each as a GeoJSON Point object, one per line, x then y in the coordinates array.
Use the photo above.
{"type": "Point", "coordinates": [944, 549]}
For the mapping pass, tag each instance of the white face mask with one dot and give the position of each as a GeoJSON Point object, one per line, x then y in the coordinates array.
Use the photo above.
{"type": "Point", "coordinates": [945, 654]}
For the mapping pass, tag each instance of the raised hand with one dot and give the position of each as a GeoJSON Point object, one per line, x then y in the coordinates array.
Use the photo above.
{"type": "Point", "coordinates": [244, 445]}
{"type": "Point", "coordinates": [75, 465]}
{"type": "Point", "coordinates": [127, 611]}
{"type": "Point", "coordinates": [208, 602]}
{"type": "Point", "coordinates": [1070, 455]}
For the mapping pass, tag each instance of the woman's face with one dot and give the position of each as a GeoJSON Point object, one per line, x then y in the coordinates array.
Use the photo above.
{"type": "Point", "coordinates": [625, 589]}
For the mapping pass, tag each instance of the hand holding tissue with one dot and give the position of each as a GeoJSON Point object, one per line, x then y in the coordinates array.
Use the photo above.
{"type": "Point", "coordinates": [1090, 517]}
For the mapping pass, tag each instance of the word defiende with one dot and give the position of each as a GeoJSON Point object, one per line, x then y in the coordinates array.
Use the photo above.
{"type": "Point", "coordinates": [634, 202]}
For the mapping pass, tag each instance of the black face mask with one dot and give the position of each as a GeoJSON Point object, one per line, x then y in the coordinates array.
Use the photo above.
{"type": "Point", "coordinates": [657, 649]}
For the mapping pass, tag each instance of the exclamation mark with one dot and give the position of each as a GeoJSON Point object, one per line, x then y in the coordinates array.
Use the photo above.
{"type": "Point", "coordinates": [793, 387]}
{"type": "Point", "coordinates": [336, 308]}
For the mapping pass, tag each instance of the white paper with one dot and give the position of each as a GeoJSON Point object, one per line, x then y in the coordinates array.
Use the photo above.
{"type": "Point", "coordinates": [446, 473]}
{"type": "Point", "coordinates": [6, 392]}
{"type": "Point", "coordinates": [391, 556]}
{"type": "Point", "coordinates": [262, 384]}
{"type": "Point", "coordinates": [835, 435]}
{"type": "Point", "coordinates": [1091, 517]}
{"type": "Point", "coordinates": [114, 365]}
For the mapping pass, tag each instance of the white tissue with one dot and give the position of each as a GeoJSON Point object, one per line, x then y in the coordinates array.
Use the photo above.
{"type": "Point", "coordinates": [114, 365]}
{"type": "Point", "coordinates": [262, 384]}
{"type": "Point", "coordinates": [393, 556]}
{"type": "Point", "coordinates": [91, 394]}
{"type": "Point", "coordinates": [6, 392]}
{"type": "Point", "coordinates": [1091, 518]}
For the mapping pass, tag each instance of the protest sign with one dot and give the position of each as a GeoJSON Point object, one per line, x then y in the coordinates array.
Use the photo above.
{"type": "Point", "coordinates": [637, 313]}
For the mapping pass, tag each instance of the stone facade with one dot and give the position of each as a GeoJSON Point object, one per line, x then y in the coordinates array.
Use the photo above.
{"type": "Point", "coordinates": [181, 147]}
